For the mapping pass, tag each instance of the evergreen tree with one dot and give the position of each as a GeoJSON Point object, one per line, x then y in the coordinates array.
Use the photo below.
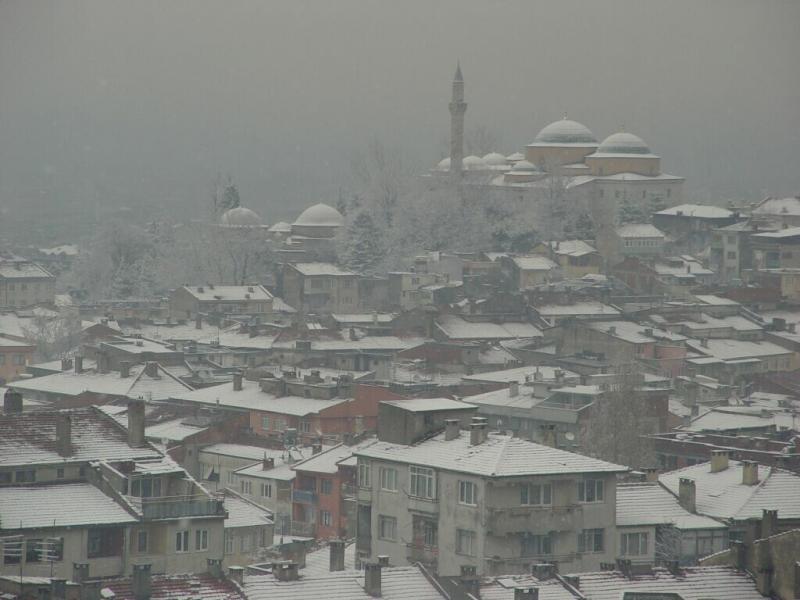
{"type": "Point", "coordinates": [364, 248]}
{"type": "Point", "coordinates": [631, 212]}
{"type": "Point", "coordinates": [584, 227]}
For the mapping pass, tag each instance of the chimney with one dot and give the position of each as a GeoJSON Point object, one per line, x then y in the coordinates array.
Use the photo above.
{"type": "Point", "coordinates": [452, 429]}
{"type": "Point", "coordinates": [573, 580]}
{"type": "Point", "coordinates": [286, 571]}
{"type": "Point", "coordinates": [316, 448]}
{"type": "Point", "coordinates": [12, 402]}
{"type": "Point", "coordinates": [66, 364]}
{"type": "Point", "coordinates": [267, 463]}
{"type": "Point", "coordinates": [90, 590]}
{"type": "Point", "coordinates": [198, 321]}
{"type": "Point", "coordinates": [136, 423]}
{"type": "Point", "coordinates": [151, 369]}
{"type": "Point", "coordinates": [719, 460]}
{"type": "Point", "coordinates": [58, 589]}
{"type": "Point", "coordinates": [383, 560]}
{"type": "Point", "coordinates": [477, 431]}
{"type": "Point", "coordinates": [372, 579]}
{"type": "Point", "coordinates": [739, 555]}
{"type": "Point", "coordinates": [140, 582]}
{"type": "Point", "coordinates": [470, 581]}
{"type": "Point", "coordinates": [237, 382]}
{"type": "Point", "coordinates": [214, 568]}
{"type": "Point", "coordinates": [124, 369]}
{"type": "Point", "coordinates": [769, 523]}
{"type": "Point", "coordinates": [63, 434]}
{"type": "Point", "coordinates": [80, 572]}
{"type": "Point", "coordinates": [78, 362]}
{"type": "Point", "coordinates": [543, 571]}
{"type": "Point", "coordinates": [687, 494]}
{"type": "Point", "coordinates": [749, 472]}
{"type": "Point", "coordinates": [704, 342]}
{"type": "Point", "coordinates": [513, 389]}
{"type": "Point", "coordinates": [236, 574]}
{"type": "Point", "coordinates": [674, 567]}
{"type": "Point", "coordinates": [526, 593]}
{"type": "Point", "coordinates": [337, 555]}
{"type": "Point", "coordinates": [651, 474]}
{"type": "Point", "coordinates": [624, 566]}
{"type": "Point", "coordinates": [103, 362]}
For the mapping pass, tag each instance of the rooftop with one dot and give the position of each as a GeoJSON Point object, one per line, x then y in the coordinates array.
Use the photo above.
{"type": "Point", "coordinates": [458, 328]}
{"type": "Point", "coordinates": [428, 404]}
{"type": "Point", "coordinates": [320, 268]}
{"type": "Point", "coordinates": [698, 211]}
{"type": "Point", "coordinates": [639, 230]}
{"type": "Point", "coordinates": [523, 374]}
{"type": "Point", "coordinates": [176, 587]}
{"type": "Point", "coordinates": [651, 504]}
{"type": "Point", "coordinates": [212, 293]}
{"type": "Point", "coordinates": [243, 513]}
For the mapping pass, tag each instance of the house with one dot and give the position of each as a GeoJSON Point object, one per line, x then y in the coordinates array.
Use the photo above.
{"type": "Point", "coordinates": [785, 211]}
{"type": "Point", "coordinates": [188, 302]}
{"type": "Point", "coordinates": [728, 360]}
{"type": "Point", "coordinates": [776, 249]}
{"type": "Point", "coordinates": [484, 500]}
{"type": "Point", "coordinates": [15, 356]}
{"type": "Point", "coordinates": [526, 272]}
{"type": "Point", "coordinates": [576, 258]}
{"type": "Point", "coordinates": [457, 328]}
{"type": "Point", "coordinates": [248, 529]}
{"type": "Point", "coordinates": [320, 288]}
{"type": "Point", "coordinates": [691, 225]}
{"type": "Point", "coordinates": [641, 240]}
{"type": "Point", "coordinates": [554, 314]}
{"type": "Point", "coordinates": [24, 283]}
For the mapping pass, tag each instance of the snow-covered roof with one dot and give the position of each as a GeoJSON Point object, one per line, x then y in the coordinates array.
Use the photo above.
{"type": "Point", "coordinates": [698, 211]}
{"type": "Point", "coordinates": [223, 293]}
{"type": "Point", "coordinates": [587, 308]}
{"type": "Point", "coordinates": [623, 144]}
{"type": "Point", "coordinates": [457, 328]}
{"type": "Point", "coordinates": [429, 404]}
{"type": "Point", "coordinates": [729, 418]}
{"type": "Point", "coordinates": [522, 374]}
{"type": "Point", "coordinates": [639, 230]}
{"type": "Point", "coordinates": [241, 217]}
{"type": "Point", "coordinates": [328, 460]}
{"type": "Point", "coordinates": [788, 232]}
{"type": "Point", "coordinates": [388, 343]}
{"type": "Point", "coordinates": [61, 505]}
{"type": "Point", "coordinates": [64, 249]}
{"type": "Point", "coordinates": [174, 430]}
{"type": "Point", "coordinates": [681, 267]}
{"type": "Point", "coordinates": [364, 318]}
{"type": "Point", "coordinates": [572, 247]}
{"type": "Point", "coordinates": [320, 268]}
{"type": "Point", "coordinates": [713, 300]}
{"type": "Point", "coordinates": [634, 333]}
{"type": "Point", "coordinates": [243, 513]}
{"type": "Point", "coordinates": [320, 215]}
{"type": "Point", "coordinates": [318, 561]}
{"type": "Point", "coordinates": [534, 263]}
{"type": "Point", "coordinates": [498, 456]}
{"type": "Point", "coordinates": [175, 587]}
{"type": "Point", "coordinates": [727, 349]}
{"type": "Point", "coordinates": [652, 504]}
{"type": "Point", "coordinates": [779, 206]}
{"type": "Point", "coordinates": [29, 438]}
{"type": "Point", "coordinates": [280, 227]}
{"type": "Point", "coordinates": [565, 132]}
{"type": "Point", "coordinates": [22, 270]}
{"type": "Point", "coordinates": [723, 495]}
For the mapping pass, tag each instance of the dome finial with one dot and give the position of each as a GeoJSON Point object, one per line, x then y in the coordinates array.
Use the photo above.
{"type": "Point", "coordinates": [566, 116]}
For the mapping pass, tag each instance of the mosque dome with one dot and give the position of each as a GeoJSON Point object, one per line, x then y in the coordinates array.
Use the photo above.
{"type": "Point", "coordinates": [444, 164]}
{"type": "Point", "coordinates": [565, 131]}
{"type": "Point", "coordinates": [524, 165]}
{"type": "Point", "coordinates": [241, 217]}
{"type": "Point", "coordinates": [494, 159]}
{"type": "Point", "coordinates": [473, 163]}
{"type": "Point", "coordinates": [320, 215]}
{"type": "Point", "coordinates": [623, 143]}
{"type": "Point", "coordinates": [281, 227]}
{"type": "Point", "coordinates": [517, 156]}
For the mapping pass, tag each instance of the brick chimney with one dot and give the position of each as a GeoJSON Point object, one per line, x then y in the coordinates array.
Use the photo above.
{"type": "Point", "coordinates": [687, 494]}
{"type": "Point", "coordinates": [749, 472]}
{"type": "Point", "coordinates": [136, 423]}
{"type": "Point", "coordinates": [78, 364]}
{"type": "Point", "coordinates": [198, 321]}
{"type": "Point", "coordinates": [237, 382]}
{"type": "Point", "coordinates": [651, 474]}
{"type": "Point", "coordinates": [372, 579]}
{"type": "Point", "coordinates": [526, 593]}
{"type": "Point", "coordinates": [513, 389]}
{"type": "Point", "coordinates": [141, 583]}
{"type": "Point", "coordinates": [63, 434]}
{"type": "Point", "coordinates": [316, 448]}
{"type": "Point", "coordinates": [124, 368]}
{"type": "Point", "coordinates": [12, 402]}
{"type": "Point", "coordinates": [739, 555]}
{"type": "Point", "coordinates": [236, 574]}
{"type": "Point", "coordinates": [478, 431]}
{"type": "Point", "coordinates": [769, 523]}
{"type": "Point", "coordinates": [452, 429]}
{"type": "Point", "coordinates": [151, 369]}
{"type": "Point", "coordinates": [286, 571]}
{"type": "Point", "coordinates": [267, 463]}
{"type": "Point", "coordinates": [337, 555]}
{"type": "Point", "coordinates": [66, 364]}
{"type": "Point", "coordinates": [719, 460]}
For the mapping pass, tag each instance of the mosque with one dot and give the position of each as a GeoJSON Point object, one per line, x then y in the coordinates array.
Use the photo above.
{"type": "Point", "coordinates": [597, 178]}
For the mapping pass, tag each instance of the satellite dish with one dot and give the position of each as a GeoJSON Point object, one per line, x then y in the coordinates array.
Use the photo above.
{"type": "Point", "coordinates": [570, 436]}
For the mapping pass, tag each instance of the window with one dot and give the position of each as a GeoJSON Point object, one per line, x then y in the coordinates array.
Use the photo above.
{"type": "Point", "coordinates": [266, 490]}
{"type": "Point", "coordinates": [263, 539]}
{"type": "Point", "coordinates": [387, 528]}
{"type": "Point", "coordinates": [388, 479]}
{"type": "Point", "coordinates": [536, 545]}
{"type": "Point", "coordinates": [467, 493]}
{"type": "Point", "coordinates": [247, 487]}
{"type": "Point", "coordinates": [60, 473]}
{"type": "Point", "coordinates": [33, 550]}
{"type": "Point", "coordinates": [590, 540]}
{"type": "Point", "coordinates": [465, 542]}
{"type": "Point", "coordinates": [633, 544]}
{"type": "Point", "coordinates": [228, 542]}
{"type": "Point", "coordinates": [12, 550]}
{"type": "Point", "coordinates": [201, 539]}
{"type": "Point", "coordinates": [245, 543]}
{"type": "Point", "coordinates": [104, 541]}
{"type": "Point", "coordinates": [181, 541]}
{"type": "Point", "coordinates": [231, 477]}
{"type": "Point", "coordinates": [305, 426]}
{"type": "Point", "coordinates": [536, 494]}
{"type": "Point", "coordinates": [265, 422]}
{"type": "Point", "coordinates": [325, 518]}
{"type": "Point", "coordinates": [146, 487]}
{"type": "Point", "coordinates": [325, 486]}
{"type": "Point", "coordinates": [422, 482]}
{"type": "Point", "coordinates": [25, 476]}
{"type": "Point", "coordinates": [141, 541]}
{"type": "Point", "coordinates": [82, 471]}
{"type": "Point", "coordinates": [363, 474]}
{"type": "Point", "coordinates": [590, 490]}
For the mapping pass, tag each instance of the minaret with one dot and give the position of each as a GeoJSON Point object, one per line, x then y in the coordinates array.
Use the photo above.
{"type": "Point", "coordinates": [457, 109]}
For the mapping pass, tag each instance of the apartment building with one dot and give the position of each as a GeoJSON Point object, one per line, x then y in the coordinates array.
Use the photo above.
{"type": "Point", "coordinates": [485, 500]}
{"type": "Point", "coordinates": [320, 287]}
{"type": "Point", "coordinates": [188, 301]}
{"type": "Point", "coordinates": [24, 283]}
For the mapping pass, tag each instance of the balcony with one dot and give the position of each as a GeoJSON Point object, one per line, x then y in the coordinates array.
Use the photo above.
{"type": "Point", "coordinates": [176, 507]}
{"type": "Point", "coordinates": [423, 505]}
{"type": "Point", "coordinates": [504, 521]}
{"type": "Point", "coordinates": [304, 497]}
{"type": "Point", "coordinates": [421, 553]}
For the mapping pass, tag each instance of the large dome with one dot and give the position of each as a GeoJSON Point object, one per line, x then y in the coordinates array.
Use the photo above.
{"type": "Point", "coordinates": [474, 163]}
{"type": "Point", "coordinates": [623, 143]}
{"type": "Point", "coordinates": [524, 165]}
{"type": "Point", "coordinates": [444, 164]}
{"type": "Point", "coordinates": [320, 215]}
{"type": "Point", "coordinates": [240, 217]}
{"type": "Point", "coordinates": [565, 132]}
{"type": "Point", "coordinates": [495, 159]}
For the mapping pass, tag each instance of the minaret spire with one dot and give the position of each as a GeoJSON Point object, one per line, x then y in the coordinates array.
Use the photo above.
{"type": "Point", "coordinates": [457, 109]}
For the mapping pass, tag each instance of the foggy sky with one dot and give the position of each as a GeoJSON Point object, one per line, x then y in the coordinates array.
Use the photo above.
{"type": "Point", "coordinates": [143, 102]}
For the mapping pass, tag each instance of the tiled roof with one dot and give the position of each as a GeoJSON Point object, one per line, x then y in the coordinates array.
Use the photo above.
{"type": "Point", "coordinates": [723, 495]}
{"type": "Point", "coordinates": [30, 438]}
{"type": "Point", "coordinates": [222, 293]}
{"type": "Point", "coordinates": [243, 513]}
{"type": "Point", "coordinates": [318, 561]}
{"type": "Point", "coordinates": [651, 504]}
{"type": "Point", "coordinates": [498, 456]}
{"type": "Point", "coordinates": [457, 328]}
{"type": "Point", "coordinates": [521, 374]}
{"type": "Point", "coordinates": [178, 587]}
{"type": "Point", "coordinates": [397, 583]}
{"type": "Point", "coordinates": [328, 460]}
{"type": "Point", "coordinates": [60, 505]}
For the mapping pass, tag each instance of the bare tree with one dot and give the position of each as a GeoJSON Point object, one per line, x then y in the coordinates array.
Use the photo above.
{"type": "Point", "coordinates": [480, 140]}
{"type": "Point", "coordinates": [379, 175]}
{"type": "Point", "coordinates": [53, 336]}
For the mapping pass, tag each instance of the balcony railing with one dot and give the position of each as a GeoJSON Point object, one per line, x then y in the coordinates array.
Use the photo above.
{"type": "Point", "coordinates": [173, 507]}
{"type": "Point", "coordinates": [422, 553]}
{"type": "Point", "coordinates": [502, 521]}
{"type": "Point", "coordinates": [304, 497]}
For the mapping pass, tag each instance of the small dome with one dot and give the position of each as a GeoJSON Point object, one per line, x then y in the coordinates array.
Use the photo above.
{"type": "Point", "coordinates": [565, 131]}
{"type": "Point", "coordinates": [623, 143]}
{"type": "Point", "coordinates": [281, 227]}
{"type": "Point", "coordinates": [517, 156]}
{"type": "Point", "coordinates": [240, 217]}
{"type": "Point", "coordinates": [495, 159]}
{"type": "Point", "coordinates": [444, 164]}
{"type": "Point", "coordinates": [524, 165]}
{"type": "Point", "coordinates": [320, 215]}
{"type": "Point", "coordinates": [473, 163]}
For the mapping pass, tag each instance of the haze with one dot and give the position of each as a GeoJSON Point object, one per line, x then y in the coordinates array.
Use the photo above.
{"type": "Point", "coordinates": [140, 104]}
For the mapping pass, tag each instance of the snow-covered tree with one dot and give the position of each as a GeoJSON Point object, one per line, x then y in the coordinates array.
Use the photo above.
{"type": "Point", "coordinates": [224, 195]}
{"type": "Point", "coordinates": [632, 212]}
{"type": "Point", "coordinates": [363, 245]}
